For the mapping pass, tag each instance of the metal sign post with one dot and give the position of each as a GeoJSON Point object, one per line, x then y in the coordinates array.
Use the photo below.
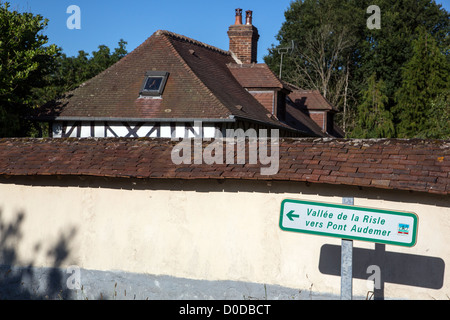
{"type": "Point", "coordinates": [347, 262]}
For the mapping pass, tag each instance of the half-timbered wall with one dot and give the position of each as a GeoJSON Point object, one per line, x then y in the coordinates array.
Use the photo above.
{"type": "Point", "coordinates": [102, 129]}
{"type": "Point", "coordinates": [123, 129]}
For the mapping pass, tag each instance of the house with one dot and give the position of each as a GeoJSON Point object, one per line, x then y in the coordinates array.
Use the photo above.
{"type": "Point", "coordinates": [170, 82]}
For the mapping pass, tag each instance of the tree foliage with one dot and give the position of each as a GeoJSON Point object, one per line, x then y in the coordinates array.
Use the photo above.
{"type": "Point", "coordinates": [33, 72]}
{"type": "Point", "coordinates": [326, 36]}
{"type": "Point", "coordinates": [383, 53]}
{"type": "Point", "coordinates": [437, 125]}
{"type": "Point", "coordinates": [25, 61]}
{"type": "Point", "coordinates": [374, 120]}
{"type": "Point", "coordinates": [425, 77]}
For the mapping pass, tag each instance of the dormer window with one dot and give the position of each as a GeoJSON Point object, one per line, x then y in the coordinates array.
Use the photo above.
{"type": "Point", "coordinates": [154, 83]}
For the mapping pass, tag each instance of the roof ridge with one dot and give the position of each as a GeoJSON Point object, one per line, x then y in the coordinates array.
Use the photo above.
{"type": "Point", "coordinates": [193, 41]}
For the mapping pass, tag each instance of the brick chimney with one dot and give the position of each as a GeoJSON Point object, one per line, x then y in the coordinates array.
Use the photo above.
{"type": "Point", "coordinates": [244, 38]}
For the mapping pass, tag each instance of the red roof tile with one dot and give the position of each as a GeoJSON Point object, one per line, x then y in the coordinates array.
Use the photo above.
{"type": "Point", "coordinates": [255, 75]}
{"type": "Point", "coordinates": [415, 165]}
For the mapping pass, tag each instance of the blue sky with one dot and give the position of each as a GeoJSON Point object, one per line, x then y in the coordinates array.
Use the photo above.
{"type": "Point", "coordinates": [106, 22]}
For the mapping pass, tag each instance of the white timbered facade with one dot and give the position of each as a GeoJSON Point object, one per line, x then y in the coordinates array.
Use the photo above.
{"type": "Point", "coordinates": [158, 129]}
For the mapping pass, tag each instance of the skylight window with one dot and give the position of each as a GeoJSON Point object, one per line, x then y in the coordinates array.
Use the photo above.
{"type": "Point", "coordinates": [154, 83]}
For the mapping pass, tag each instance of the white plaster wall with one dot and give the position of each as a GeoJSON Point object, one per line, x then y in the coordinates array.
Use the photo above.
{"type": "Point", "coordinates": [204, 230]}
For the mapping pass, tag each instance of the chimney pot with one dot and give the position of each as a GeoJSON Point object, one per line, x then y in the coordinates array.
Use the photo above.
{"type": "Point", "coordinates": [238, 20]}
{"type": "Point", "coordinates": [244, 38]}
{"type": "Point", "coordinates": [248, 17]}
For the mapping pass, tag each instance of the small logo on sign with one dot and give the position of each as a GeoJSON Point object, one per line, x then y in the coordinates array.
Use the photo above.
{"type": "Point", "coordinates": [403, 229]}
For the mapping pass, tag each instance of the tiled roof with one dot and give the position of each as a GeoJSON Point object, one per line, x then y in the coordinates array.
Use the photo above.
{"type": "Point", "coordinates": [297, 118]}
{"type": "Point", "coordinates": [259, 76]}
{"type": "Point", "coordinates": [414, 165]}
{"type": "Point", "coordinates": [200, 86]}
{"type": "Point", "coordinates": [255, 75]}
{"type": "Point", "coordinates": [310, 100]}
{"type": "Point", "coordinates": [210, 68]}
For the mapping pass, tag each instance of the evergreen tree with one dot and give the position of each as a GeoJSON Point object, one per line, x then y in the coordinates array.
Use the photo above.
{"type": "Point", "coordinates": [385, 50]}
{"type": "Point", "coordinates": [374, 121]}
{"type": "Point", "coordinates": [424, 78]}
{"type": "Point", "coordinates": [437, 125]}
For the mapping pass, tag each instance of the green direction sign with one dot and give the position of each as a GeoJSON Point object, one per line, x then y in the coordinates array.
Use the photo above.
{"type": "Point", "coordinates": [349, 222]}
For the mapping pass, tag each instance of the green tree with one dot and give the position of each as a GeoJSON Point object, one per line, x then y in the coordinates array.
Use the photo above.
{"type": "Point", "coordinates": [325, 33]}
{"type": "Point", "coordinates": [385, 50]}
{"type": "Point", "coordinates": [438, 118]}
{"type": "Point", "coordinates": [25, 61]}
{"type": "Point", "coordinates": [373, 120]}
{"type": "Point", "coordinates": [425, 77]}
{"type": "Point", "coordinates": [381, 51]}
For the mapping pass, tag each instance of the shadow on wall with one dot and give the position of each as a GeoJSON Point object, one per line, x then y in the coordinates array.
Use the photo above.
{"type": "Point", "coordinates": [399, 268]}
{"type": "Point", "coordinates": [20, 279]}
